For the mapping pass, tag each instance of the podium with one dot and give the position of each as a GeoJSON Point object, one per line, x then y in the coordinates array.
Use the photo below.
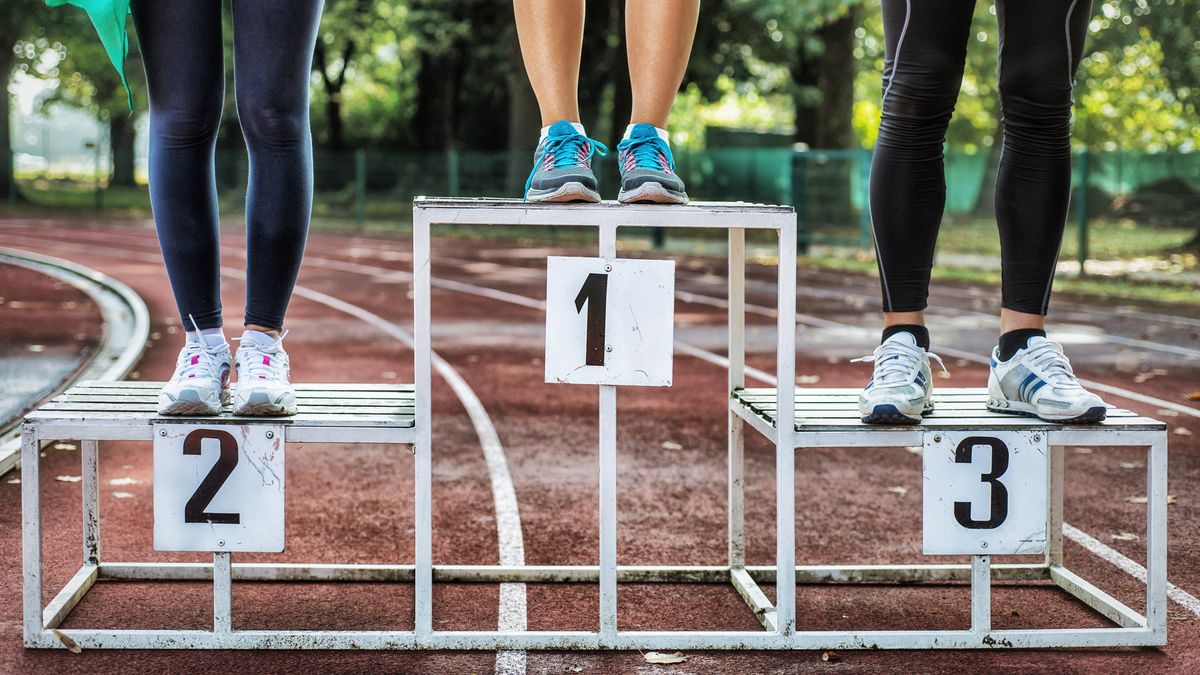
{"type": "Point", "coordinates": [403, 415]}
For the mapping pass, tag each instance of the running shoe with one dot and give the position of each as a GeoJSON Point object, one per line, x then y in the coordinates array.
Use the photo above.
{"type": "Point", "coordinates": [263, 384]}
{"type": "Point", "coordinates": [901, 388]}
{"type": "Point", "coordinates": [562, 166]}
{"type": "Point", "coordinates": [200, 384]}
{"type": "Point", "coordinates": [648, 169]}
{"type": "Point", "coordinates": [1038, 381]}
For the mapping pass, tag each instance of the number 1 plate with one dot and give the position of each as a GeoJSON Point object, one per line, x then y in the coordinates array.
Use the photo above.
{"type": "Point", "coordinates": [218, 487]}
{"type": "Point", "coordinates": [610, 321]}
{"type": "Point", "coordinates": [985, 493]}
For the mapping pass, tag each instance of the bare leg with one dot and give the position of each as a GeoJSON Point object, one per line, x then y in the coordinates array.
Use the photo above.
{"type": "Point", "coordinates": [551, 35]}
{"type": "Point", "coordinates": [659, 34]}
{"type": "Point", "coordinates": [903, 319]}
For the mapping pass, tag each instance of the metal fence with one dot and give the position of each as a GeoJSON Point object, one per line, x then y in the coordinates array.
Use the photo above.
{"type": "Point", "coordinates": [1127, 192]}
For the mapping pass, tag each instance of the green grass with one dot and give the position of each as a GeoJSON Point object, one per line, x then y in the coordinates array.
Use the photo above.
{"type": "Point", "coordinates": [1107, 239]}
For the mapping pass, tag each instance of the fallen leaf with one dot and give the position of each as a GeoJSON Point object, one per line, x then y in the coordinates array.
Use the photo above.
{"type": "Point", "coordinates": [1124, 536]}
{"type": "Point", "coordinates": [64, 446]}
{"type": "Point", "coordinates": [1193, 396]}
{"type": "Point", "coordinates": [14, 481]}
{"type": "Point", "coordinates": [830, 657]}
{"type": "Point", "coordinates": [123, 495]}
{"type": "Point", "coordinates": [68, 479]}
{"type": "Point", "coordinates": [1084, 451]}
{"type": "Point", "coordinates": [808, 379]}
{"type": "Point", "coordinates": [1171, 500]}
{"type": "Point", "coordinates": [1136, 500]}
{"type": "Point", "coordinates": [1182, 431]}
{"type": "Point", "coordinates": [123, 481]}
{"type": "Point", "coordinates": [898, 490]}
{"type": "Point", "coordinates": [915, 449]}
{"type": "Point", "coordinates": [37, 349]}
{"type": "Point", "coordinates": [1163, 412]}
{"type": "Point", "coordinates": [70, 644]}
{"type": "Point", "coordinates": [671, 445]}
{"type": "Point", "coordinates": [664, 658]}
{"type": "Point", "coordinates": [1132, 465]}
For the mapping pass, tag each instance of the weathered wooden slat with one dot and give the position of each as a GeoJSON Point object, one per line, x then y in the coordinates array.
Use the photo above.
{"type": "Point", "coordinates": [152, 400]}
{"type": "Point", "coordinates": [301, 419]}
{"type": "Point", "coordinates": [151, 409]}
{"type": "Point", "coordinates": [302, 386]}
{"type": "Point", "coordinates": [304, 395]}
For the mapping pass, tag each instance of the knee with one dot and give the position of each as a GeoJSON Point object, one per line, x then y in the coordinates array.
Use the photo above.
{"type": "Point", "coordinates": [273, 127]}
{"type": "Point", "coordinates": [919, 100]}
{"type": "Point", "coordinates": [1036, 102]}
{"type": "Point", "coordinates": [182, 123]}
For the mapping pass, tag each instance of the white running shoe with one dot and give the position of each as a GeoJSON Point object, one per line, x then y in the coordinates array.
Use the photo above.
{"type": "Point", "coordinates": [901, 388]}
{"type": "Point", "coordinates": [200, 385]}
{"type": "Point", "coordinates": [1038, 381]}
{"type": "Point", "coordinates": [263, 386]}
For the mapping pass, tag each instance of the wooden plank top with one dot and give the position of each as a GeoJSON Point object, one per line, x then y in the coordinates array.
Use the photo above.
{"type": "Point", "coordinates": [837, 410]}
{"type": "Point", "coordinates": [320, 405]}
{"type": "Point", "coordinates": [605, 205]}
{"type": "Point", "coordinates": [721, 215]}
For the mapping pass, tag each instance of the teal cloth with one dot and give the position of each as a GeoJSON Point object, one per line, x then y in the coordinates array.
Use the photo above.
{"type": "Point", "coordinates": [108, 16]}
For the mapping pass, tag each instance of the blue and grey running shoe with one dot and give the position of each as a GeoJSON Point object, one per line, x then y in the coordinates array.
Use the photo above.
{"type": "Point", "coordinates": [1038, 381]}
{"type": "Point", "coordinates": [901, 388]}
{"type": "Point", "coordinates": [648, 169]}
{"type": "Point", "coordinates": [562, 167]}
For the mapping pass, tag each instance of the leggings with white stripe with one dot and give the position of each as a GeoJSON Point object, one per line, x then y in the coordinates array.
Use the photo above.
{"type": "Point", "coordinates": [1040, 46]}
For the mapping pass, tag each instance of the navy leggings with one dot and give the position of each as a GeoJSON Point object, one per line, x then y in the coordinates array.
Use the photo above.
{"type": "Point", "coordinates": [183, 51]}
{"type": "Point", "coordinates": [1040, 46]}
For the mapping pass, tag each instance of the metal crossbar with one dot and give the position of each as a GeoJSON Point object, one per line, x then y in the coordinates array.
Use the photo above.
{"type": "Point", "coordinates": [402, 414]}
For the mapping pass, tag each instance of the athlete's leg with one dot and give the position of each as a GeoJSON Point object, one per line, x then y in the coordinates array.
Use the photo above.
{"type": "Point", "coordinates": [273, 46]}
{"type": "Point", "coordinates": [185, 76]}
{"type": "Point", "coordinates": [659, 35]}
{"type": "Point", "coordinates": [926, 44]}
{"type": "Point", "coordinates": [551, 36]}
{"type": "Point", "coordinates": [1041, 45]}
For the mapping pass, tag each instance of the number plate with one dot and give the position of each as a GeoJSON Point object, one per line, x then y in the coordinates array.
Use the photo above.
{"type": "Point", "coordinates": [218, 487]}
{"type": "Point", "coordinates": [610, 321]}
{"type": "Point", "coordinates": [985, 493]}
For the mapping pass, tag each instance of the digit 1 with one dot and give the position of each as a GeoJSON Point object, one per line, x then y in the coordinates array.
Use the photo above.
{"type": "Point", "coordinates": [194, 510]}
{"type": "Point", "coordinates": [595, 293]}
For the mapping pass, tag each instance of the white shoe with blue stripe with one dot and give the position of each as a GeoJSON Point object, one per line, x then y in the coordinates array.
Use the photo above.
{"type": "Point", "coordinates": [901, 388]}
{"type": "Point", "coordinates": [1038, 381]}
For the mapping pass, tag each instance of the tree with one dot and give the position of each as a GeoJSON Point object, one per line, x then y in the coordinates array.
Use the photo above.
{"type": "Point", "coordinates": [20, 21]}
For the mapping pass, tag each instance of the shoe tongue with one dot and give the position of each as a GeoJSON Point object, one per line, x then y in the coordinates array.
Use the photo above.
{"type": "Point", "coordinates": [562, 128]}
{"type": "Point", "coordinates": [1035, 341]}
{"type": "Point", "coordinates": [643, 131]}
{"type": "Point", "coordinates": [903, 336]}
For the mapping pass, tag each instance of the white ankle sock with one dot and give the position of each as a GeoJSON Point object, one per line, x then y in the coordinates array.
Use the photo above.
{"type": "Point", "coordinates": [211, 337]}
{"type": "Point", "coordinates": [257, 337]}
{"type": "Point", "coordinates": [662, 133]}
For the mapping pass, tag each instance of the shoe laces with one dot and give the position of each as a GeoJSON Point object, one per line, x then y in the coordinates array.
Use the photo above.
{"type": "Point", "coordinates": [266, 362]}
{"type": "Point", "coordinates": [646, 152]}
{"type": "Point", "coordinates": [559, 151]}
{"type": "Point", "coordinates": [198, 358]}
{"type": "Point", "coordinates": [1048, 358]}
{"type": "Point", "coordinates": [894, 361]}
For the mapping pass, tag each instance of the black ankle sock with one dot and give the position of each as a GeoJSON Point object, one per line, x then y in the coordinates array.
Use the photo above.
{"type": "Point", "coordinates": [921, 333]}
{"type": "Point", "coordinates": [1014, 340]}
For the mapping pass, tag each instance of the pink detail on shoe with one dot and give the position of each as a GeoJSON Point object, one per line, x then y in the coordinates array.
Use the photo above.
{"type": "Point", "coordinates": [196, 360]}
{"type": "Point", "coordinates": [266, 360]}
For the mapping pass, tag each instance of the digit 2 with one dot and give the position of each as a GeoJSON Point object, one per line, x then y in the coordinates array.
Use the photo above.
{"type": "Point", "coordinates": [999, 494]}
{"type": "Point", "coordinates": [595, 293]}
{"type": "Point", "coordinates": [194, 511]}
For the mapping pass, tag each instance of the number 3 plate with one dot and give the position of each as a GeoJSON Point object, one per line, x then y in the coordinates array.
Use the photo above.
{"type": "Point", "coordinates": [609, 321]}
{"type": "Point", "coordinates": [218, 487]}
{"type": "Point", "coordinates": [985, 493]}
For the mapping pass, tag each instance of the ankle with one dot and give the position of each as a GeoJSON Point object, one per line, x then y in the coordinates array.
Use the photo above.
{"type": "Point", "coordinates": [1016, 340]}
{"type": "Point", "coordinates": [920, 333]}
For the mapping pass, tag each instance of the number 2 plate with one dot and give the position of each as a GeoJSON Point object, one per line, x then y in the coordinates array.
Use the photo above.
{"type": "Point", "coordinates": [985, 493]}
{"type": "Point", "coordinates": [610, 321]}
{"type": "Point", "coordinates": [218, 487]}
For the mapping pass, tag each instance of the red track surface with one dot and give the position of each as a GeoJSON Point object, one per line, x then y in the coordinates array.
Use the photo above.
{"type": "Point", "coordinates": [354, 505]}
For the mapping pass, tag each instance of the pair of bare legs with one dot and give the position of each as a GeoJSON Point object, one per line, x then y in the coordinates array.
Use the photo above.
{"type": "Point", "coordinates": [659, 36]}
{"type": "Point", "coordinates": [1009, 320]}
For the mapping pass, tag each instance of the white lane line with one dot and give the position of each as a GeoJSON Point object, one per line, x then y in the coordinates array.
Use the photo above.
{"type": "Point", "coordinates": [512, 611]}
{"type": "Point", "coordinates": [1133, 569]}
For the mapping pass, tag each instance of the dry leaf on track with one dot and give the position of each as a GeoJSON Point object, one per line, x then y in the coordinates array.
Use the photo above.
{"type": "Point", "coordinates": [123, 481]}
{"type": "Point", "coordinates": [1141, 499]}
{"type": "Point", "coordinates": [70, 644]}
{"type": "Point", "coordinates": [1084, 451]}
{"type": "Point", "coordinates": [64, 446]}
{"type": "Point", "coordinates": [1124, 536]}
{"type": "Point", "coordinates": [663, 658]}
{"type": "Point", "coordinates": [671, 445]}
{"type": "Point", "coordinates": [1193, 396]}
{"type": "Point", "coordinates": [123, 495]}
{"type": "Point", "coordinates": [1132, 465]}
{"type": "Point", "coordinates": [898, 490]}
{"type": "Point", "coordinates": [68, 479]}
{"type": "Point", "coordinates": [1183, 431]}
{"type": "Point", "coordinates": [830, 657]}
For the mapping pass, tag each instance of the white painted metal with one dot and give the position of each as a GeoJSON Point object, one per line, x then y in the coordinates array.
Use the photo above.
{"type": "Point", "coordinates": [814, 427]}
{"type": "Point", "coordinates": [1054, 512]}
{"type": "Point", "coordinates": [981, 594]}
{"type": "Point", "coordinates": [90, 474]}
{"type": "Point", "coordinates": [737, 380]}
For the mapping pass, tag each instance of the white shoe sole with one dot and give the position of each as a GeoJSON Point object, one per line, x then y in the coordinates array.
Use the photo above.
{"type": "Point", "coordinates": [259, 404]}
{"type": "Point", "coordinates": [568, 192]}
{"type": "Point", "coordinates": [1090, 416]}
{"type": "Point", "coordinates": [181, 407]}
{"type": "Point", "coordinates": [652, 193]}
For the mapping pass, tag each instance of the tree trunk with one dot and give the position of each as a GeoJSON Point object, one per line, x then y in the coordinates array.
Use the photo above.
{"type": "Point", "coordinates": [121, 135]}
{"type": "Point", "coordinates": [834, 128]}
{"type": "Point", "coordinates": [7, 183]}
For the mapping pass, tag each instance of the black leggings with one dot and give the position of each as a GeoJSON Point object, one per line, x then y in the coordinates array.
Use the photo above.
{"type": "Point", "coordinates": [1040, 46]}
{"type": "Point", "coordinates": [183, 52]}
